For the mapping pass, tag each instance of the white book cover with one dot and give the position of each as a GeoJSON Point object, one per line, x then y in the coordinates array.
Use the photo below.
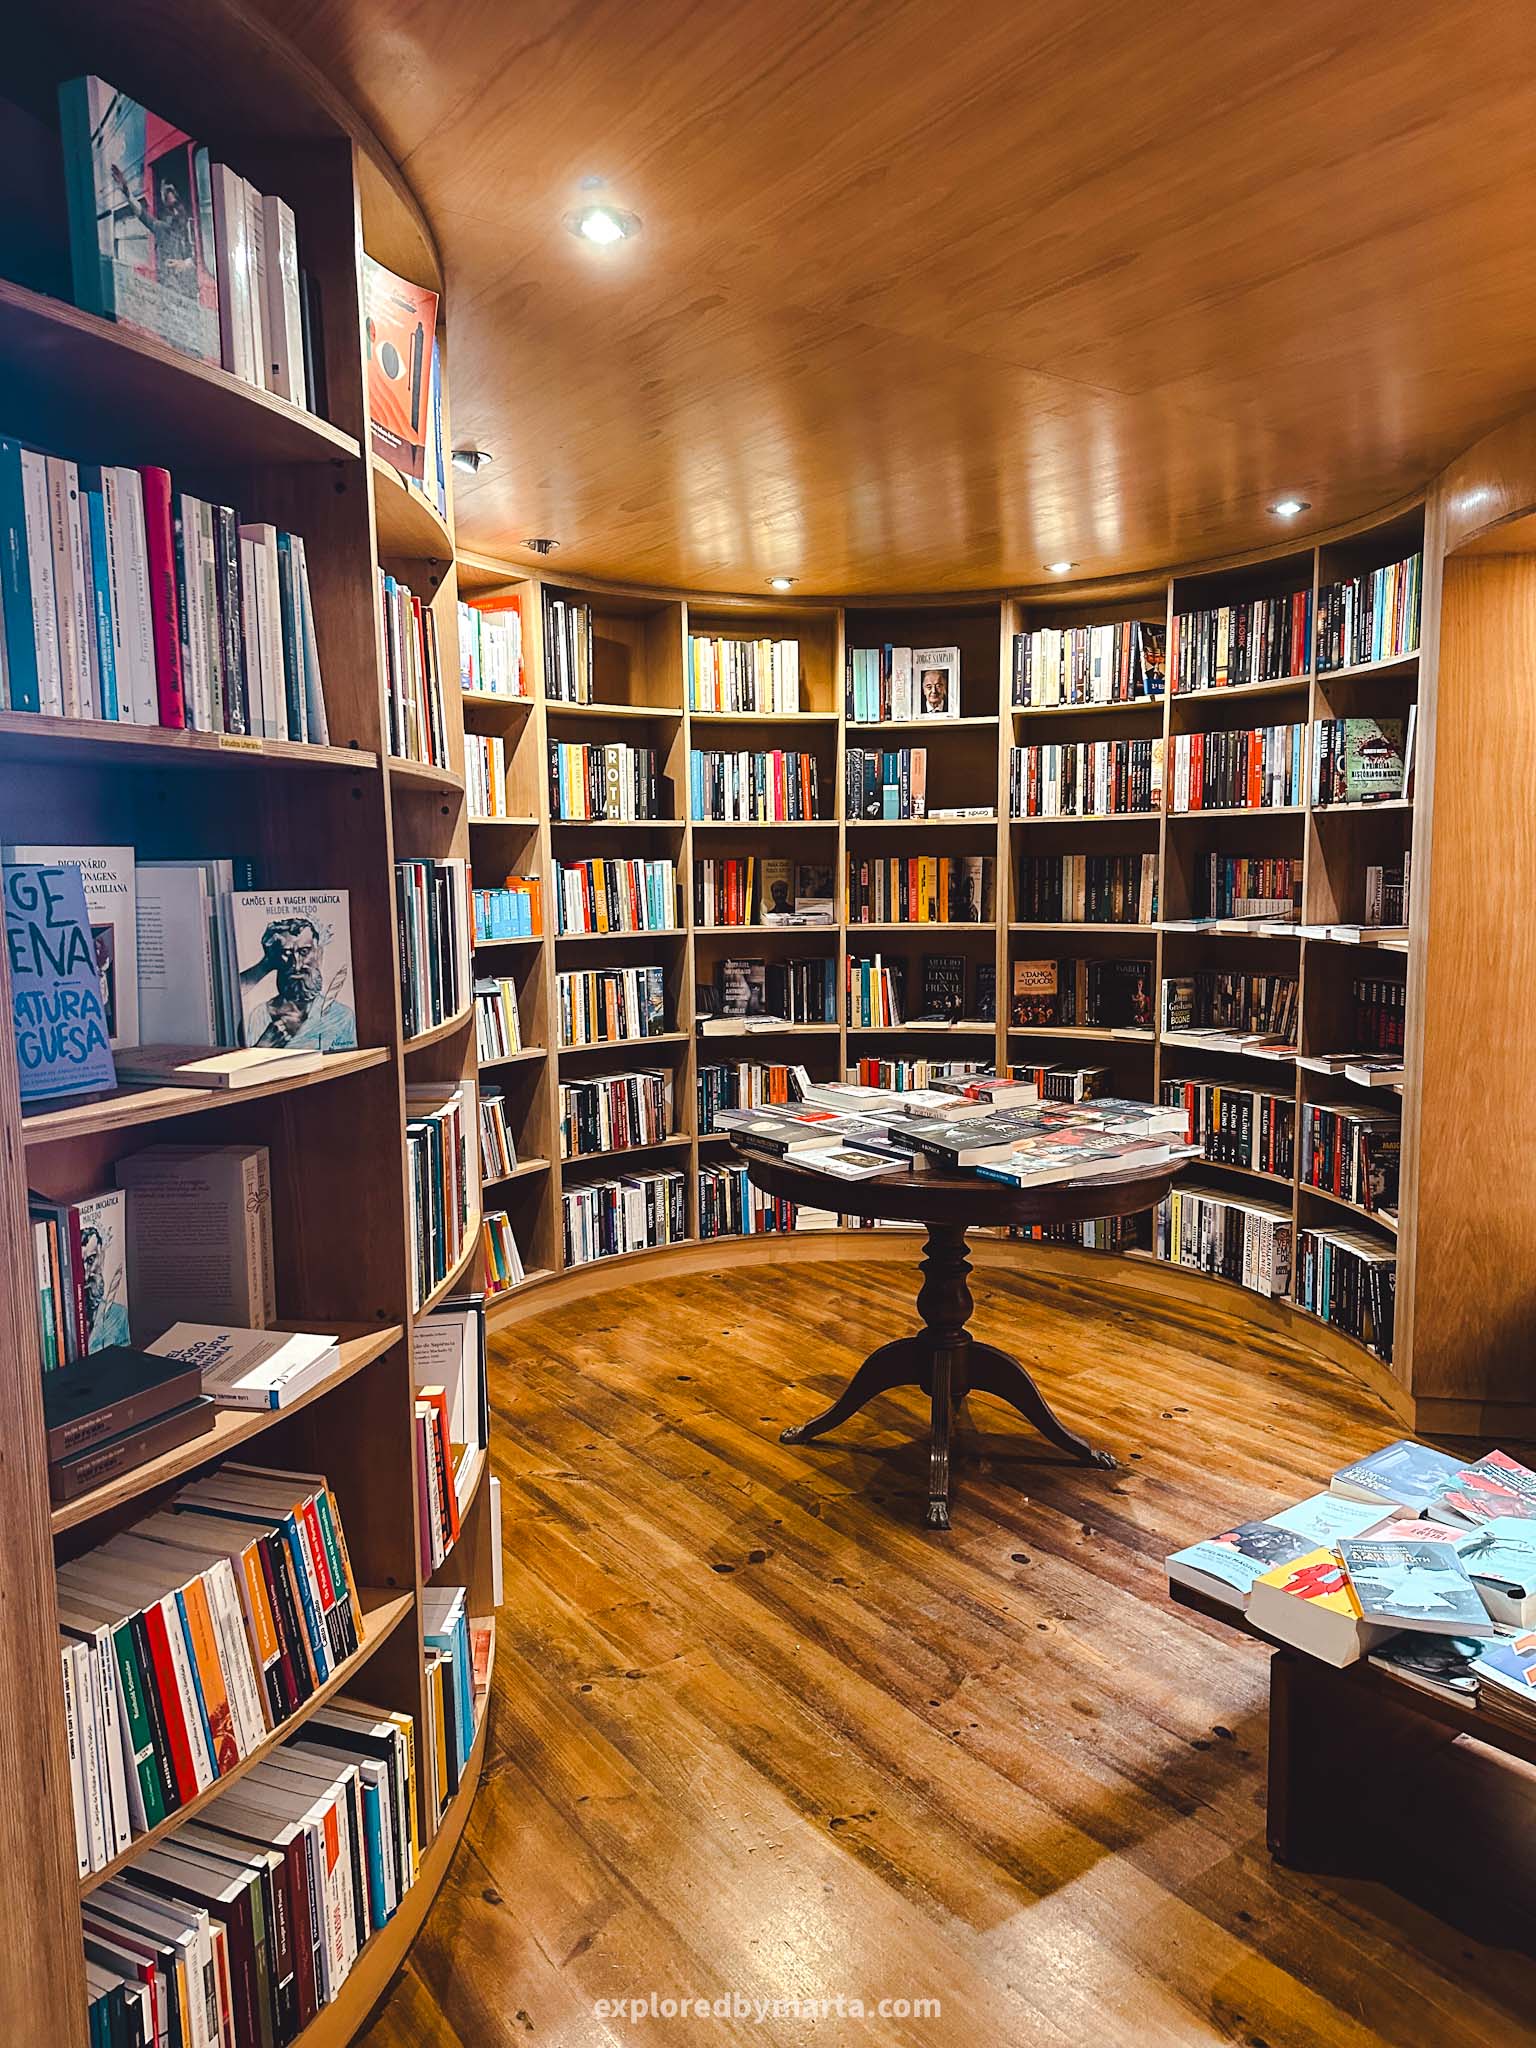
{"type": "Point", "coordinates": [111, 903]}
{"type": "Point", "coordinates": [138, 698]}
{"type": "Point", "coordinates": [71, 610]}
{"type": "Point", "coordinates": [45, 620]}
{"type": "Point", "coordinates": [267, 591]}
{"type": "Point", "coordinates": [232, 252]}
{"type": "Point", "coordinates": [176, 1004]}
{"type": "Point", "coordinates": [285, 336]}
{"type": "Point", "coordinates": [197, 682]}
{"type": "Point", "coordinates": [250, 625]}
{"type": "Point", "coordinates": [256, 232]}
{"type": "Point", "coordinates": [249, 1368]}
{"type": "Point", "coordinates": [315, 726]}
{"type": "Point", "coordinates": [199, 1236]}
{"type": "Point", "coordinates": [294, 949]}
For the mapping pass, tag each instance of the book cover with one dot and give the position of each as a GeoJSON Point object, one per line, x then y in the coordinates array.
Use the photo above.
{"type": "Point", "coordinates": [294, 951]}
{"type": "Point", "coordinates": [777, 900]}
{"type": "Point", "coordinates": [944, 984]}
{"type": "Point", "coordinates": [1414, 1585]}
{"type": "Point", "coordinates": [1036, 985]}
{"type": "Point", "coordinates": [398, 322]}
{"type": "Point", "coordinates": [102, 1223]}
{"type": "Point", "coordinates": [112, 903]}
{"type": "Point", "coordinates": [1496, 1485]}
{"type": "Point", "coordinates": [140, 200]}
{"type": "Point", "coordinates": [57, 1012]}
{"type": "Point", "coordinates": [1371, 764]}
{"type": "Point", "coordinates": [1510, 1665]}
{"type": "Point", "coordinates": [1317, 1577]}
{"type": "Point", "coordinates": [1403, 1475]}
{"type": "Point", "coordinates": [813, 893]}
{"type": "Point", "coordinates": [1500, 1559]}
{"type": "Point", "coordinates": [1239, 1557]}
{"type": "Point", "coordinates": [1446, 1665]}
{"type": "Point", "coordinates": [1325, 1517]}
{"type": "Point", "coordinates": [936, 679]}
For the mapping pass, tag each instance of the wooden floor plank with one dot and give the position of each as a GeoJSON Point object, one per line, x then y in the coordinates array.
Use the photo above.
{"type": "Point", "coordinates": [756, 1729]}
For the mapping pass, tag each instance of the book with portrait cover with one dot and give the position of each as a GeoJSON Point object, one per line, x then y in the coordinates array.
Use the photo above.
{"type": "Point", "coordinates": [140, 197]}
{"type": "Point", "coordinates": [936, 681]}
{"type": "Point", "coordinates": [1036, 987]}
{"type": "Point", "coordinates": [57, 1012]}
{"type": "Point", "coordinates": [294, 953]}
{"type": "Point", "coordinates": [398, 320]}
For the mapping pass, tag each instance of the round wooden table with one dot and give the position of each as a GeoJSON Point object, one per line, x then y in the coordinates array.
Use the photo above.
{"type": "Point", "coordinates": [942, 1358]}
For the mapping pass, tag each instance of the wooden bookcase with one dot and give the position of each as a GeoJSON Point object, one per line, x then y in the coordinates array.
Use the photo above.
{"type": "Point", "coordinates": [968, 763]}
{"type": "Point", "coordinates": [337, 816]}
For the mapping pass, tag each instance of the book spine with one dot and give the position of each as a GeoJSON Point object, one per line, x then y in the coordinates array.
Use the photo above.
{"type": "Point", "coordinates": [64, 1439]}
{"type": "Point", "coordinates": [160, 547]}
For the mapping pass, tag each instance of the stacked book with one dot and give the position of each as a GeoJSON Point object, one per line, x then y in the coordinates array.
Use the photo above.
{"type": "Point", "coordinates": [242, 1925]}
{"type": "Point", "coordinates": [1423, 1562]}
{"type": "Point", "coordinates": [997, 1128]}
{"type": "Point", "coordinates": [128, 600]}
{"type": "Point", "coordinates": [413, 676]}
{"type": "Point", "coordinates": [605, 1006]}
{"type": "Point", "coordinates": [188, 1637]}
{"type": "Point", "coordinates": [503, 1267]}
{"type": "Point", "coordinates": [113, 1411]}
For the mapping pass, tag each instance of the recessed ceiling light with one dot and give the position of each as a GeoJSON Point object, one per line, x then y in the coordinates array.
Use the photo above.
{"type": "Point", "coordinates": [1287, 508]}
{"type": "Point", "coordinates": [472, 459]}
{"type": "Point", "coordinates": [781, 582]}
{"type": "Point", "coordinates": [603, 224]}
{"type": "Point", "coordinates": [542, 546]}
{"type": "Point", "coordinates": [1060, 568]}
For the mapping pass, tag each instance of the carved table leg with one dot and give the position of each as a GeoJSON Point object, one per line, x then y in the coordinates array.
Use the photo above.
{"type": "Point", "coordinates": [944, 1303]}
{"type": "Point", "coordinates": [995, 1372]}
{"type": "Point", "coordinates": [938, 1449]}
{"type": "Point", "coordinates": [897, 1364]}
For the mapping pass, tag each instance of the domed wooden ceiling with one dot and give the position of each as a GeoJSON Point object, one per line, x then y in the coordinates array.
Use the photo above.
{"type": "Point", "coordinates": [929, 295]}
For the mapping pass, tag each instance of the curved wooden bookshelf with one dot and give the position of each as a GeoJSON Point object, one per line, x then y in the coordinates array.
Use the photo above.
{"type": "Point", "coordinates": [127, 1108]}
{"type": "Point", "coordinates": [30, 737]}
{"type": "Point", "coordinates": [436, 1033]}
{"type": "Point", "coordinates": [408, 527]}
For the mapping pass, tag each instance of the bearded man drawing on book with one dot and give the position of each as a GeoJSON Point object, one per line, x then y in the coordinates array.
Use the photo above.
{"type": "Point", "coordinates": [303, 1010]}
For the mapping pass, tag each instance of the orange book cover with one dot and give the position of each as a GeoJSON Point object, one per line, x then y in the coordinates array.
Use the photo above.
{"type": "Point", "coordinates": [398, 322]}
{"type": "Point", "coordinates": [210, 1676]}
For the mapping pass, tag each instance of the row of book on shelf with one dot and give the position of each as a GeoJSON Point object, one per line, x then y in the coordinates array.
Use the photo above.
{"type": "Point", "coordinates": [951, 988]}
{"type": "Point", "coordinates": [1088, 888]}
{"type": "Point", "coordinates": [767, 992]}
{"type": "Point", "coordinates": [745, 889]}
{"type": "Point", "coordinates": [1421, 1561]}
{"type": "Point", "coordinates": [605, 895]}
{"type": "Point", "coordinates": [498, 1022]}
{"type": "Point", "coordinates": [1122, 663]}
{"type": "Point", "coordinates": [615, 1112]}
{"type": "Point", "coordinates": [498, 1150]}
{"type": "Point", "coordinates": [1112, 994]}
{"type": "Point", "coordinates": [887, 683]}
{"type": "Point", "coordinates": [1371, 617]}
{"type": "Point", "coordinates": [629, 1213]}
{"type": "Point", "coordinates": [125, 599]}
{"type": "Point", "coordinates": [729, 674]}
{"type": "Point", "coordinates": [491, 656]}
{"type": "Point", "coordinates": [485, 775]}
{"type": "Point", "coordinates": [514, 909]}
{"type": "Point", "coordinates": [451, 1419]}
{"type": "Point", "coordinates": [616, 781]}
{"type": "Point", "coordinates": [746, 786]}
{"type": "Point", "coordinates": [441, 1182]}
{"type": "Point", "coordinates": [131, 971]}
{"type": "Point", "coordinates": [432, 919]}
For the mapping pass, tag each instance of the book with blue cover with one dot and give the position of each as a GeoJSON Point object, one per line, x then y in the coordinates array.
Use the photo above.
{"type": "Point", "coordinates": [1414, 1585]}
{"type": "Point", "coordinates": [63, 1044]}
{"type": "Point", "coordinates": [1500, 1558]}
{"type": "Point", "coordinates": [1325, 1517]}
{"type": "Point", "coordinates": [1402, 1475]}
{"type": "Point", "coordinates": [1226, 1566]}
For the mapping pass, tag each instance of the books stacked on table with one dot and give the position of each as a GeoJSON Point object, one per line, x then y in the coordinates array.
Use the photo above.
{"type": "Point", "coordinates": [999, 1128]}
{"type": "Point", "coordinates": [1422, 1561]}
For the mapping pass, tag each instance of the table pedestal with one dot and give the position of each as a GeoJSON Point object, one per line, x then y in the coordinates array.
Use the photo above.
{"type": "Point", "coordinates": [947, 1363]}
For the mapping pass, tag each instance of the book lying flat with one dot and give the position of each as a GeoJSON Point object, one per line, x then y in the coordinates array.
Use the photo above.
{"type": "Point", "coordinates": [1414, 1585]}
{"type": "Point", "coordinates": [193, 1066]}
{"type": "Point", "coordinates": [1401, 1475]}
{"type": "Point", "coordinates": [250, 1368]}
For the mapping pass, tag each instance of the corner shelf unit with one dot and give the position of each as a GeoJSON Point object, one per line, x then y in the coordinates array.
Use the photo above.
{"type": "Point", "coordinates": [641, 639]}
{"type": "Point", "coordinates": [335, 816]}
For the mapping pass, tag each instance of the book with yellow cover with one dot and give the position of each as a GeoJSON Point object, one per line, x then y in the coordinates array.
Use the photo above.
{"type": "Point", "coordinates": [1310, 1603]}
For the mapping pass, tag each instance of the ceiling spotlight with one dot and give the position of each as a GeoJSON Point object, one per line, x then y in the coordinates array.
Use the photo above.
{"type": "Point", "coordinates": [603, 224]}
{"type": "Point", "coordinates": [1060, 568]}
{"type": "Point", "coordinates": [472, 459]}
{"type": "Point", "coordinates": [542, 545]}
{"type": "Point", "coordinates": [1287, 508]}
{"type": "Point", "coordinates": [781, 582]}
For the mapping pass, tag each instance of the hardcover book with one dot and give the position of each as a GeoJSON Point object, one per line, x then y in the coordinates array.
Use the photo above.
{"type": "Point", "coordinates": [1035, 992]}
{"type": "Point", "coordinates": [936, 675]}
{"type": "Point", "coordinates": [140, 201]}
{"type": "Point", "coordinates": [398, 319]}
{"type": "Point", "coordinates": [60, 1021]}
{"type": "Point", "coordinates": [294, 949]}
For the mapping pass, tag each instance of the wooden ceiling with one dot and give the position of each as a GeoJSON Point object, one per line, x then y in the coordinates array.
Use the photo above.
{"type": "Point", "coordinates": [929, 295]}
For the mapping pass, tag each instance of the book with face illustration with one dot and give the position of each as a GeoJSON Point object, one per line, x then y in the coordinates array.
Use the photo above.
{"type": "Point", "coordinates": [294, 952]}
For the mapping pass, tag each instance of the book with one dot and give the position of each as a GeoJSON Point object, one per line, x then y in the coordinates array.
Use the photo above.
{"type": "Point", "coordinates": [1309, 1603]}
{"type": "Point", "coordinates": [1358, 760]}
{"type": "Point", "coordinates": [936, 682]}
{"type": "Point", "coordinates": [294, 950]}
{"type": "Point", "coordinates": [249, 1368]}
{"type": "Point", "coordinates": [1413, 1585]}
{"type": "Point", "coordinates": [776, 880]}
{"type": "Point", "coordinates": [199, 1236]}
{"type": "Point", "coordinates": [1445, 1666]}
{"type": "Point", "coordinates": [1496, 1485]}
{"type": "Point", "coordinates": [90, 1306]}
{"type": "Point", "coordinates": [852, 1162]}
{"type": "Point", "coordinates": [140, 218]}
{"type": "Point", "coordinates": [107, 873]}
{"type": "Point", "coordinates": [813, 893]}
{"type": "Point", "coordinates": [190, 1066]}
{"type": "Point", "coordinates": [117, 1389]}
{"type": "Point", "coordinates": [58, 1015]}
{"type": "Point", "coordinates": [125, 1451]}
{"type": "Point", "coordinates": [1500, 1560]}
{"type": "Point", "coordinates": [398, 322]}
{"type": "Point", "coordinates": [1225, 1567]}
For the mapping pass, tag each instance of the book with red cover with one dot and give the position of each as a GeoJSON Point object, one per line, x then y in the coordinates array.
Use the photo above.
{"type": "Point", "coordinates": [164, 600]}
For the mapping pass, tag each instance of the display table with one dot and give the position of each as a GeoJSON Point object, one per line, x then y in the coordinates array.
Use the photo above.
{"type": "Point", "coordinates": [942, 1358]}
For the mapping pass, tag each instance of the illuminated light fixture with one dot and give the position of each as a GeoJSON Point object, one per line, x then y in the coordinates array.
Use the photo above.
{"type": "Point", "coordinates": [781, 582]}
{"type": "Point", "coordinates": [472, 459]}
{"type": "Point", "coordinates": [603, 225]}
{"type": "Point", "coordinates": [542, 545]}
{"type": "Point", "coordinates": [1060, 568]}
{"type": "Point", "coordinates": [1287, 508]}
